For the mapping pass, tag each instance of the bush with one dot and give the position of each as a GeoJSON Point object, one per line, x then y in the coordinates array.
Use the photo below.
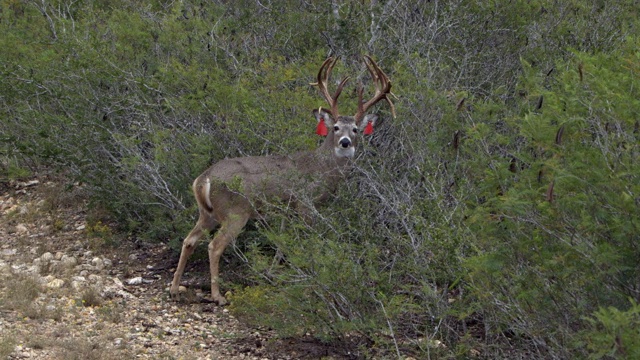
{"type": "Point", "coordinates": [613, 333]}
{"type": "Point", "coordinates": [557, 230]}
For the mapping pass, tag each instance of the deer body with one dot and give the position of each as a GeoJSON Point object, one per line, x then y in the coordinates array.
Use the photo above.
{"type": "Point", "coordinates": [232, 191]}
{"type": "Point", "coordinates": [275, 177]}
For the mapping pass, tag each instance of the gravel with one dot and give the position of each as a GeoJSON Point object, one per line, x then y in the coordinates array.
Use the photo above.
{"type": "Point", "coordinates": [64, 295]}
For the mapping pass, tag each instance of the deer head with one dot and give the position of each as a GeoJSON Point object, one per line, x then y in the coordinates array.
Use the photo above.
{"type": "Point", "coordinates": [342, 130]}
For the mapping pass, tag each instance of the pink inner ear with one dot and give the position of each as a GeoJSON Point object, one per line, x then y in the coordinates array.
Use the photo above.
{"type": "Point", "coordinates": [321, 129]}
{"type": "Point", "coordinates": [368, 130]}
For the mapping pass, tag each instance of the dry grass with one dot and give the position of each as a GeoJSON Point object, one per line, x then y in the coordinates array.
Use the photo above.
{"type": "Point", "coordinates": [39, 342]}
{"type": "Point", "coordinates": [111, 312]}
{"type": "Point", "coordinates": [19, 293]}
{"type": "Point", "coordinates": [83, 349]}
{"type": "Point", "coordinates": [7, 343]}
{"type": "Point", "coordinates": [91, 297]}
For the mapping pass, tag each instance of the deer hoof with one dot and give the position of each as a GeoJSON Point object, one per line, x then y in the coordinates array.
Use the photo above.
{"type": "Point", "coordinates": [176, 291]}
{"type": "Point", "coordinates": [219, 299]}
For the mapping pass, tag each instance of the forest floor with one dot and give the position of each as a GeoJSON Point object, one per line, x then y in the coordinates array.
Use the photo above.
{"type": "Point", "coordinates": [68, 292]}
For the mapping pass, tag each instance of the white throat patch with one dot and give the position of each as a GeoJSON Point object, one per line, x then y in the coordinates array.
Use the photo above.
{"type": "Point", "coordinates": [346, 153]}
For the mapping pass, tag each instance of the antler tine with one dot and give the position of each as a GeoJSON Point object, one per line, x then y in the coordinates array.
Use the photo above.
{"type": "Point", "coordinates": [383, 89]}
{"type": "Point", "coordinates": [323, 81]}
{"type": "Point", "coordinates": [323, 75]}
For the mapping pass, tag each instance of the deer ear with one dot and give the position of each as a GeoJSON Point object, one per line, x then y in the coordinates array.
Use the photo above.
{"type": "Point", "coordinates": [324, 120]}
{"type": "Point", "coordinates": [322, 114]}
{"type": "Point", "coordinates": [367, 124]}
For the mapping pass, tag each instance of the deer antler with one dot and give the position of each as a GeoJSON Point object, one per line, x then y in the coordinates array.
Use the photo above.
{"type": "Point", "coordinates": [383, 89]}
{"type": "Point", "coordinates": [323, 80]}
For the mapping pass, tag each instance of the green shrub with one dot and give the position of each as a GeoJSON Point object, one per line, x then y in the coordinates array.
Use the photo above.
{"type": "Point", "coordinates": [559, 232]}
{"type": "Point", "coordinates": [613, 333]}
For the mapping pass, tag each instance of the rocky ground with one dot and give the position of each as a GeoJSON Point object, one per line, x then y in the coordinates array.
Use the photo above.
{"type": "Point", "coordinates": [66, 293]}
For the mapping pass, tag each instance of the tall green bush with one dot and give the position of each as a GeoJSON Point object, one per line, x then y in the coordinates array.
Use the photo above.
{"type": "Point", "coordinates": [559, 226]}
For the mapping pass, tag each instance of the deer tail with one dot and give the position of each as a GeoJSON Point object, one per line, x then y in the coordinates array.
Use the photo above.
{"type": "Point", "coordinates": [207, 194]}
{"type": "Point", "coordinates": [202, 192]}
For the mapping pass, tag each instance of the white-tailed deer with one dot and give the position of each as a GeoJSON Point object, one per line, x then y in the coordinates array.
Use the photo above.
{"type": "Point", "coordinates": [230, 192]}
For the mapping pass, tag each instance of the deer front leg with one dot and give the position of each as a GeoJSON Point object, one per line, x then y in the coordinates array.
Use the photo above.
{"type": "Point", "coordinates": [227, 233]}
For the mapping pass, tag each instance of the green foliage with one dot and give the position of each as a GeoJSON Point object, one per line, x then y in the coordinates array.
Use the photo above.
{"type": "Point", "coordinates": [498, 211]}
{"type": "Point", "coordinates": [562, 224]}
{"type": "Point", "coordinates": [614, 333]}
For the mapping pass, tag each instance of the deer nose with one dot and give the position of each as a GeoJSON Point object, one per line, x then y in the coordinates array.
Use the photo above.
{"type": "Point", "coordinates": [345, 142]}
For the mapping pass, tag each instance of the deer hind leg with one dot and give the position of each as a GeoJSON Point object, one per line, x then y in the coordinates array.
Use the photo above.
{"type": "Point", "coordinates": [205, 223]}
{"type": "Point", "coordinates": [229, 230]}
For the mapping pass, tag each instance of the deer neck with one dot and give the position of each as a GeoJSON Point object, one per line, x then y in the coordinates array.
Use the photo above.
{"type": "Point", "coordinates": [323, 161]}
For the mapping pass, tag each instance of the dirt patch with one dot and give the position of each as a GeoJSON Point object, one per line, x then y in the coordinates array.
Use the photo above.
{"type": "Point", "coordinates": [65, 295]}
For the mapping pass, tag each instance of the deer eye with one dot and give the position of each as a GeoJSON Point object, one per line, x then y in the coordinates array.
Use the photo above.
{"type": "Point", "coordinates": [355, 130]}
{"type": "Point", "coordinates": [335, 128]}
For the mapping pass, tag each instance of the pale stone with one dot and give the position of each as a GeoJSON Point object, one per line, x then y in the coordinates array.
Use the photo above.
{"type": "Point", "coordinates": [21, 229]}
{"type": "Point", "coordinates": [85, 267]}
{"type": "Point", "coordinates": [9, 252]}
{"type": "Point", "coordinates": [5, 268]}
{"type": "Point", "coordinates": [135, 281]}
{"type": "Point", "coordinates": [98, 263]}
{"type": "Point", "coordinates": [55, 284]}
{"type": "Point", "coordinates": [31, 183]}
{"type": "Point", "coordinates": [118, 283]}
{"type": "Point", "coordinates": [68, 261]}
{"type": "Point", "coordinates": [46, 257]}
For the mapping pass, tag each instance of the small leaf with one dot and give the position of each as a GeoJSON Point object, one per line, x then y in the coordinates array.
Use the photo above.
{"type": "Point", "coordinates": [550, 192]}
{"type": "Point", "coordinates": [580, 71]}
{"type": "Point", "coordinates": [539, 104]}
{"type": "Point", "coordinates": [559, 135]}
{"type": "Point", "coordinates": [456, 139]}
